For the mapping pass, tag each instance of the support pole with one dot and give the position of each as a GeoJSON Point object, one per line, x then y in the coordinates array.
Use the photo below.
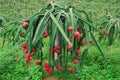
{"type": "Point", "coordinates": [57, 40]}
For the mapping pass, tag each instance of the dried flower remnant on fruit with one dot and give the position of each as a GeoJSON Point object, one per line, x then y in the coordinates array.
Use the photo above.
{"type": "Point", "coordinates": [78, 28]}
{"type": "Point", "coordinates": [53, 1]}
{"type": "Point", "coordinates": [91, 41]}
{"type": "Point", "coordinates": [70, 39]}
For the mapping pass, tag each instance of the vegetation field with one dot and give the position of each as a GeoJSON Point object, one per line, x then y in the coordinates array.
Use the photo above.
{"type": "Point", "coordinates": [102, 61]}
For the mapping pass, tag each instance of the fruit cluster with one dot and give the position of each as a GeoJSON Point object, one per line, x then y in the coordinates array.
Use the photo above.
{"type": "Point", "coordinates": [77, 36]}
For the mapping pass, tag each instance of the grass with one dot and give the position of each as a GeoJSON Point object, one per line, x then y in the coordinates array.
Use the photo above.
{"type": "Point", "coordinates": [97, 69]}
{"type": "Point", "coordinates": [12, 10]}
{"type": "Point", "coordinates": [13, 67]}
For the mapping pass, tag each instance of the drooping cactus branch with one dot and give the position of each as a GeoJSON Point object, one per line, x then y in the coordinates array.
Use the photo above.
{"type": "Point", "coordinates": [67, 29]}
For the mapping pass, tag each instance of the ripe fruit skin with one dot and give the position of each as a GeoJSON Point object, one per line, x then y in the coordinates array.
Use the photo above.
{"type": "Point", "coordinates": [70, 28]}
{"type": "Point", "coordinates": [27, 60]}
{"type": "Point", "coordinates": [83, 43]}
{"type": "Point", "coordinates": [46, 65]}
{"type": "Point", "coordinates": [59, 67]}
{"type": "Point", "coordinates": [50, 70]}
{"type": "Point", "coordinates": [25, 25]}
{"type": "Point", "coordinates": [34, 50]}
{"type": "Point", "coordinates": [75, 61]}
{"type": "Point", "coordinates": [28, 55]}
{"type": "Point", "coordinates": [46, 68]}
{"type": "Point", "coordinates": [26, 20]}
{"type": "Point", "coordinates": [25, 45]}
{"type": "Point", "coordinates": [77, 35]}
{"type": "Point", "coordinates": [24, 48]}
{"type": "Point", "coordinates": [69, 47]}
{"type": "Point", "coordinates": [105, 32]}
{"type": "Point", "coordinates": [31, 58]}
{"type": "Point", "coordinates": [78, 52]}
{"type": "Point", "coordinates": [70, 69]}
{"type": "Point", "coordinates": [56, 49]}
{"type": "Point", "coordinates": [80, 35]}
{"type": "Point", "coordinates": [45, 34]}
{"type": "Point", "coordinates": [37, 63]}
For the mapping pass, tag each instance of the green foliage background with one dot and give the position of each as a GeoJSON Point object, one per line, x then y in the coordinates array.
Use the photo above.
{"type": "Point", "coordinates": [13, 67]}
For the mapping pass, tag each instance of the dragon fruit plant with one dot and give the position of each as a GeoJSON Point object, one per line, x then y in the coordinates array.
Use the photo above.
{"type": "Point", "coordinates": [69, 36]}
{"type": "Point", "coordinates": [110, 28]}
{"type": "Point", "coordinates": [12, 32]}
